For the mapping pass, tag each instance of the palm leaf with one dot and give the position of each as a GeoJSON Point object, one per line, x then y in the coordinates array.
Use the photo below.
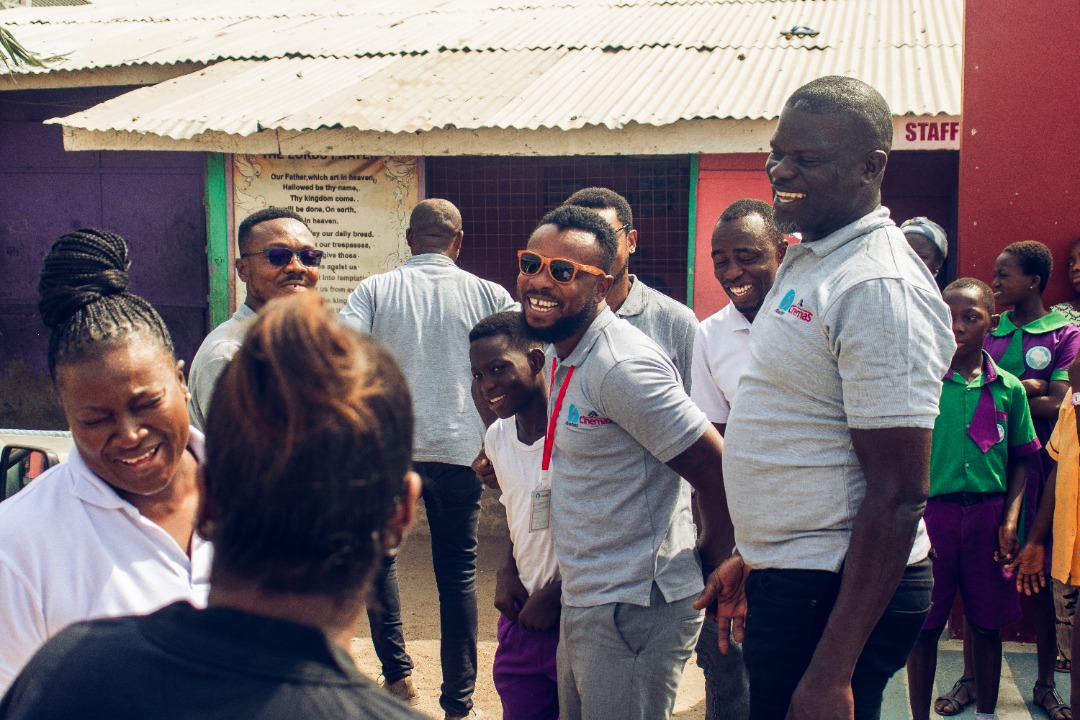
{"type": "Point", "coordinates": [13, 54]}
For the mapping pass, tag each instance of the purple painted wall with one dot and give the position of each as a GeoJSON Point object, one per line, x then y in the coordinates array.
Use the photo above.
{"type": "Point", "coordinates": [154, 200]}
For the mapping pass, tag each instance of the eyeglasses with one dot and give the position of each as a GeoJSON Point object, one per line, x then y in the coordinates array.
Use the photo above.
{"type": "Point", "coordinates": [561, 270]}
{"type": "Point", "coordinates": [280, 257]}
{"type": "Point", "coordinates": [627, 227]}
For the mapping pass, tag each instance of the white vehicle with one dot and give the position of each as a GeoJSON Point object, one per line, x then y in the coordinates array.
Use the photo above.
{"type": "Point", "coordinates": [25, 454]}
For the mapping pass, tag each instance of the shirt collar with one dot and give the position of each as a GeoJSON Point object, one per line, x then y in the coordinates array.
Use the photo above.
{"type": "Point", "coordinates": [739, 322]}
{"type": "Point", "coordinates": [989, 374]}
{"type": "Point", "coordinates": [430, 259]}
{"type": "Point", "coordinates": [874, 220]}
{"type": "Point", "coordinates": [634, 304]}
{"type": "Point", "coordinates": [581, 350]}
{"type": "Point", "coordinates": [1049, 322]}
{"type": "Point", "coordinates": [244, 312]}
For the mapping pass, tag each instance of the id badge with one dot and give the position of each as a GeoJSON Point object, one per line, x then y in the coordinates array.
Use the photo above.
{"type": "Point", "coordinates": [541, 509]}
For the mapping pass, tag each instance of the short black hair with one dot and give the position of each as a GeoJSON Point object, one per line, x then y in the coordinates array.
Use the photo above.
{"type": "Point", "coordinates": [243, 234]}
{"type": "Point", "coordinates": [85, 302]}
{"type": "Point", "coordinates": [572, 217]}
{"type": "Point", "coordinates": [986, 295]}
{"type": "Point", "coordinates": [1034, 258]}
{"type": "Point", "coordinates": [840, 95]}
{"type": "Point", "coordinates": [749, 206]}
{"type": "Point", "coordinates": [600, 198]}
{"type": "Point", "coordinates": [509, 324]}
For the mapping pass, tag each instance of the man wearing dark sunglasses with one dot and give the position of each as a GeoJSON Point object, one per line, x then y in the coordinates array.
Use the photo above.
{"type": "Point", "coordinates": [277, 257]}
{"type": "Point", "coordinates": [622, 434]}
{"type": "Point", "coordinates": [423, 312]}
{"type": "Point", "coordinates": [669, 323]}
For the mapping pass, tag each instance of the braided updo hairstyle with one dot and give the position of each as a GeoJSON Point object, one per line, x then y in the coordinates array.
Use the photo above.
{"type": "Point", "coordinates": [84, 298]}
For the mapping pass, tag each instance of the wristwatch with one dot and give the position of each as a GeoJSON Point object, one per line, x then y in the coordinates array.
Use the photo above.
{"type": "Point", "coordinates": [1076, 399]}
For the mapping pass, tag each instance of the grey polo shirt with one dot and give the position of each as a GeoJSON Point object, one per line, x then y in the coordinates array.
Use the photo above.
{"type": "Point", "coordinates": [669, 323]}
{"type": "Point", "coordinates": [853, 334]}
{"type": "Point", "coordinates": [211, 360]}
{"type": "Point", "coordinates": [423, 312]}
{"type": "Point", "coordinates": [621, 519]}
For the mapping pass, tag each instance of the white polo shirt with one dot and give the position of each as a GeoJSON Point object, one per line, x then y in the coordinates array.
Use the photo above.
{"type": "Point", "coordinates": [71, 549]}
{"type": "Point", "coordinates": [721, 353]}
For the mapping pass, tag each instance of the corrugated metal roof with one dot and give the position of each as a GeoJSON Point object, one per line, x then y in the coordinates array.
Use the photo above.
{"type": "Point", "coordinates": [147, 33]}
{"type": "Point", "coordinates": [412, 66]}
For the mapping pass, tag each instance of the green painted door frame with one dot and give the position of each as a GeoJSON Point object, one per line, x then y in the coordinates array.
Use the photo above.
{"type": "Point", "coordinates": [691, 245]}
{"type": "Point", "coordinates": [217, 237]}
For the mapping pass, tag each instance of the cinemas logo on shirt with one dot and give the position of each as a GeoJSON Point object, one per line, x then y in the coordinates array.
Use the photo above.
{"type": "Point", "coordinates": [574, 418]}
{"type": "Point", "coordinates": [788, 306]}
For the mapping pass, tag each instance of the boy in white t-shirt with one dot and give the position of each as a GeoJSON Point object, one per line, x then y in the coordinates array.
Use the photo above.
{"type": "Point", "coordinates": [508, 369]}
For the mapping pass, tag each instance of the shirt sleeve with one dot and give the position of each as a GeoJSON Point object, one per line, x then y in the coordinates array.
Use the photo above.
{"type": "Point", "coordinates": [657, 413]}
{"type": "Point", "coordinates": [893, 344]}
{"type": "Point", "coordinates": [22, 624]}
{"type": "Point", "coordinates": [359, 310]}
{"type": "Point", "coordinates": [1022, 439]}
{"type": "Point", "coordinates": [704, 390]}
{"type": "Point", "coordinates": [204, 378]}
{"type": "Point", "coordinates": [1066, 352]}
{"type": "Point", "coordinates": [1053, 446]}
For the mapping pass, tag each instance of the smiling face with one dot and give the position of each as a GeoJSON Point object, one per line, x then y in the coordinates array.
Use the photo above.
{"type": "Point", "coordinates": [555, 312]}
{"type": "Point", "coordinates": [1010, 284]}
{"type": "Point", "coordinates": [745, 260]}
{"type": "Point", "coordinates": [265, 281]}
{"type": "Point", "coordinates": [507, 377]}
{"type": "Point", "coordinates": [971, 319]}
{"type": "Point", "coordinates": [823, 173]}
{"type": "Point", "coordinates": [127, 411]}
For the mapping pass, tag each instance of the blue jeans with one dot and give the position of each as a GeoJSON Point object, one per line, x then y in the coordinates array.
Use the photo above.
{"type": "Point", "coordinates": [787, 612]}
{"type": "Point", "coordinates": [727, 692]}
{"type": "Point", "coordinates": [452, 499]}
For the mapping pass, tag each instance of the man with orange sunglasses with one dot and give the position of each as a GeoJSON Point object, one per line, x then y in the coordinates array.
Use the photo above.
{"type": "Point", "coordinates": [621, 433]}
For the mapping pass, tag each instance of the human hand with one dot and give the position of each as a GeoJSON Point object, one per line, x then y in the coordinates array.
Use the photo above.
{"type": "Point", "coordinates": [1035, 387]}
{"type": "Point", "coordinates": [541, 611]}
{"type": "Point", "coordinates": [484, 470]}
{"type": "Point", "coordinates": [1028, 566]}
{"type": "Point", "coordinates": [816, 700]}
{"type": "Point", "coordinates": [727, 586]}
{"type": "Point", "coordinates": [1008, 545]}
{"type": "Point", "coordinates": [510, 594]}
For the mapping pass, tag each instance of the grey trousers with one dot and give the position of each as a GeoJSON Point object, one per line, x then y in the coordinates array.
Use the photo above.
{"type": "Point", "coordinates": [624, 662]}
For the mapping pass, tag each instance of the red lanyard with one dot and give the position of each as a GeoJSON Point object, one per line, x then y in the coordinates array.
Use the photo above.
{"type": "Point", "coordinates": [549, 439]}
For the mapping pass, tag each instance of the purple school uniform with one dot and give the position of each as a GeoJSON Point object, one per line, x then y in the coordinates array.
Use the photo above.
{"type": "Point", "coordinates": [1041, 350]}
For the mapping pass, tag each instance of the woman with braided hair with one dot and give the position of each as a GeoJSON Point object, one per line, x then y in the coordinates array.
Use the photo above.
{"type": "Point", "coordinates": [305, 488]}
{"type": "Point", "coordinates": [111, 531]}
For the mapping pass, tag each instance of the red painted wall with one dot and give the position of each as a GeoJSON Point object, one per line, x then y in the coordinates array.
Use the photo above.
{"type": "Point", "coordinates": [1019, 179]}
{"type": "Point", "coordinates": [722, 179]}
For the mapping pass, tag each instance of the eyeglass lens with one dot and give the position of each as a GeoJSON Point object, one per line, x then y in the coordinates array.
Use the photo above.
{"type": "Point", "coordinates": [561, 271]}
{"type": "Point", "coordinates": [280, 257]}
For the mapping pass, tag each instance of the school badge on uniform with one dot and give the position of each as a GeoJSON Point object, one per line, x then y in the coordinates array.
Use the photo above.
{"type": "Point", "coordinates": [1038, 357]}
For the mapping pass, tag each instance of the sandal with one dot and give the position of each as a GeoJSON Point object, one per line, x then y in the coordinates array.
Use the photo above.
{"type": "Point", "coordinates": [950, 703]}
{"type": "Point", "coordinates": [1062, 664]}
{"type": "Point", "coordinates": [1051, 702]}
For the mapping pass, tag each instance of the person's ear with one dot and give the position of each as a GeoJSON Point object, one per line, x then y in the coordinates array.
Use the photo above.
{"type": "Point", "coordinates": [994, 320]}
{"type": "Point", "coordinates": [183, 381]}
{"type": "Point", "coordinates": [536, 360]}
{"type": "Point", "coordinates": [206, 513]}
{"type": "Point", "coordinates": [603, 284]}
{"type": "Point", "coordinates": [403, 517]}
{"type": "Point", "coordinates": [242, 268]}
{"type": "Point", "coordinates": [631, 241]}
{"type": "Point", "coordinates": [874, 165]}
{"type": "Point", "coordinates": [781, 251]}
{"type": "Point", "coordinates": [455, 245]}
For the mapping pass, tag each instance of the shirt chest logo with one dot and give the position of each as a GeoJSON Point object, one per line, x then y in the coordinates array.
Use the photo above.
{"type": "Point", "coordinates": [789, 307]}
{"type": "Point", "coordinates": [1038, 357]}
{"type": "Point", "coordinates": [574, 418]}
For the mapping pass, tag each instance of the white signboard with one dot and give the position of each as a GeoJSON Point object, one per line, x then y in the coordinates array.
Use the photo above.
{"type": "Point", "coordinates": [926, 132]}
{"type": "Point", "coordinates": [357, 208]}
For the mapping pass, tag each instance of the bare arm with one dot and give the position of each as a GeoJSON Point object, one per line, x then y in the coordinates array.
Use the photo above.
{"type": "Point", "coordinates": [701, 465]}
{"type": "Point", "coordinates": [1047, 406]}
{"type": "Point", "coordinates": [896, 464]}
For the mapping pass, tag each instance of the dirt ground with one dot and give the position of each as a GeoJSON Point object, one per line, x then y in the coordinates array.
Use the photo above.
{"type": "Point", "coordinates": [420, 615]}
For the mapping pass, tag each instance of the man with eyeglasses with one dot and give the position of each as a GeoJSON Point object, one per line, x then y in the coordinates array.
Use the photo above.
{"type": "Point", "coordinates": [423, 312]}
{"type": "Point", "coordinates": [277, 257]}
{"type": "Point", "coordinates": [622, 431]}
{"type": "Point", "coordinates": [669, 323]}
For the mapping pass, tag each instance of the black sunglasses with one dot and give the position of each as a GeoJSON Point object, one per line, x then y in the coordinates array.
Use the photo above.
{"type": "Point", "coordinates": [280, 257]}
